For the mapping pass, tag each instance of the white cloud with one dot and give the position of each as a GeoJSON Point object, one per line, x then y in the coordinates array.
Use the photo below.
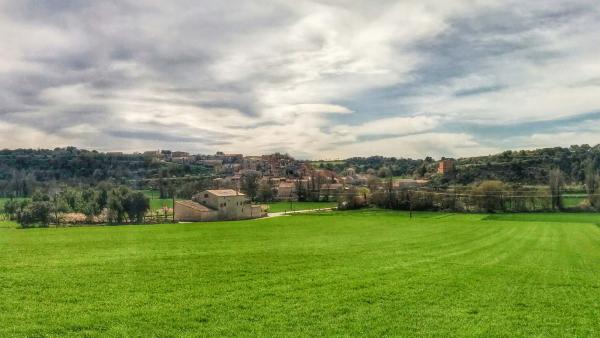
{"type": "Point", "coordinates": [415, 146]}
{"type": "Point", "coordinates": [313, 78]}
{"type": "Point", "coordinates": [388, 126]}
{"type": "Point", "coordinates": [17, 136]}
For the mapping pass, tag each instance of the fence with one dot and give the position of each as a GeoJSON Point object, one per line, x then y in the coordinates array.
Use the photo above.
{"type": "Point", "coordinates": [468, 201]}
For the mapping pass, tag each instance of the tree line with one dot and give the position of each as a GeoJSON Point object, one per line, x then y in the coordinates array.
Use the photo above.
{"type": "Point", "coordinates": [24, 171]}
{"type": "Point", "coordinates": [521, 166]}
{"type": "Point", "coordinates": [104, 203]}
{"type": "Point", "coordinates": [485, 196]}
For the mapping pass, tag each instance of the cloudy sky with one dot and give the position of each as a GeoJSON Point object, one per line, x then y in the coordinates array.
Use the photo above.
{"type": "Point", "coordinates": [317, 79]}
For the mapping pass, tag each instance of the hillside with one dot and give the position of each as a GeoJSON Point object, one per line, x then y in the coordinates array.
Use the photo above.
{"type": "Point", "coordinates": [520, 166]}
{"type": "Point", "coordinates": [22, 170]}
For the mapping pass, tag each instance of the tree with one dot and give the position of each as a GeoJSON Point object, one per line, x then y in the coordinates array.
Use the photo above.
{"type": "Point", "coordinates": [39, 197]}
{"type": "Point", "coordinates": [351, 199]}
{"type": "Point", "coordinates": [136, 205]}
{"type": "Point", "coordinates": [488, 196]}
{"type": "Point", "coordinates": [591, 183]}
{"type": "Point", "coordinates": [189, 189]}
{"type": "Point", "coordinates": [390, 193]}
{"type": "Point", "coordinates": [384, 172]}
{"type": "Point", "coordinates": [16, 208]}
{"type": "Point", "coordinates": [250, 182]}
{"type": "Point", "coordinates": [373, 182]}
{"type": "Point", "coordinates": [102, 197]}
{"type": "Point", "coordinates": [115, 206]}
{"type": "Point", "coordinates": [556, 181]}
{"type": "Point", "coordinates": [89, 203]}
{"type": "Point", "coordinates": [162, 183]}
{"type": "Point", "coordinates": [37, 212]}
{"type": "Point", "coordinates": [72, 198]}
{"type": "Point", "coordinates": [300, 190]}
{"type": "Point", "coordinates": [594, 198]}
{"type": "Point", "coordinates": [59, 206]}
{"type": "Point", "coordinates": [265, 192]}
{"type": "Point", "coordinates": [422, 170]}
{"type": "Point", "coordinates": [10, 208]}
{"type": "Point", "coordinates": [21, 207]}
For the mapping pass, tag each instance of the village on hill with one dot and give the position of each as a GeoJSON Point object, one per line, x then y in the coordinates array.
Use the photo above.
{"type": "Point", "coordinates": [278, 177]}
{"type": "Point", "coordinates": [68, 186]}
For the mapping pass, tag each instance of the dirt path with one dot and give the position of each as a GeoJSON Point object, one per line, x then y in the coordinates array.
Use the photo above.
{"type": "Point", "coordinates": [286, 213]}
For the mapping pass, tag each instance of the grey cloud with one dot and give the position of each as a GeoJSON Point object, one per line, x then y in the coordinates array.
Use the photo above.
{"type": "Point", "coordinates": [508, 134]}
{"type": "Point", "coordinates": [128, 57]}
{"type": "Point", "coordinates": [479, 90]}
{"type": "Point", "coordinates": [162, 136]}
{"type": "Point", "coordinates": [474, 44]}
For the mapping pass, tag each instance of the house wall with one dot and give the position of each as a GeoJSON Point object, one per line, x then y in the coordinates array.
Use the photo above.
{"type": "Point", "coordinates": [252, 211]}
{"type": "Point", "coordinates": [227, 207]}
{"type": "Point", "coordinates": [187, 214]}
{"type": "Point", "coordinates": [285, 193]}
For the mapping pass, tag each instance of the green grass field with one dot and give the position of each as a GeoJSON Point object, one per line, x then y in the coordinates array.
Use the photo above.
{"type": "Point", "coordinates": [156, 202]}
{"type": "Point", "coordinates": [573, 201]}
{"type": "Point", "coordinates": [8, 224]}
{"type": "Point", "coordinates": [286, 206]}
{"type": "Point", "coordinates": [371, 273]}
{"type": "Point", "coordinates": [159, 203]}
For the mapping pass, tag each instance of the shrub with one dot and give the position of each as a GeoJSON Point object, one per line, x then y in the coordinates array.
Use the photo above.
{"type": "Point", "coordinates": [37, 213]}
{"type": "Point", "coordinates": [488, 196]}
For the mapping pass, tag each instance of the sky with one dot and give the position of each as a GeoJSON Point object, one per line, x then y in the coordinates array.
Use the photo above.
{"type": "Point", "coordinates": [315, 79]}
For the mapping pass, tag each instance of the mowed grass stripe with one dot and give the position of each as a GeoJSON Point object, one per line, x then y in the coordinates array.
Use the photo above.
{"type": "Point", "coordinates": [371, 273]}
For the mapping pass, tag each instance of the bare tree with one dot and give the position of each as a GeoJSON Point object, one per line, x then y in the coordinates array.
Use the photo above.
{"type": "Point", "coordinates": [590, 177]}
{"type": "Point", "coordinates": [591, 183]}
{"type": "Point", "coordinates": [556, 183]}
{"type": "Point", "coordinates": [488, 196]}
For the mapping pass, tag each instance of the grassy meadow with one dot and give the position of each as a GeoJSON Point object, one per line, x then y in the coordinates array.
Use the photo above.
{"type": "Point", "coordinates": [155, 201]}
{"type": "Point", "coordinates": [573, 201]}
{"type": "Point", "coordinates": [369, 273]}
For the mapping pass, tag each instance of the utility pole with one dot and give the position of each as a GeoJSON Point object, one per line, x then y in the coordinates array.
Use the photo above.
{"type": "Point", "coordinates": [56, 209]}
{"type": "Point", "coordinates": [173, 199]}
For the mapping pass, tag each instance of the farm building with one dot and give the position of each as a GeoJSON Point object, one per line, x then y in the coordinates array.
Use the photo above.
{"type": "Point", "coordinates": [190, 211]}
{"type": "Point", "coordinates": [217, 205]}
{"type": "Point", "coordinates": [445, 166]}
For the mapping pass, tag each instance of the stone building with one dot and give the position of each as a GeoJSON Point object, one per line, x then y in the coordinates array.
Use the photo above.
{"type": "Point", "coordinates": [213, 205]}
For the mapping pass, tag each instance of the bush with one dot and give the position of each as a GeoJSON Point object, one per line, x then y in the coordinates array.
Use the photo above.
{"type": "Point", "coordinates": [421, 201]}
{"type": "Point", "coordinates": [136, 205]}
{"type": "Point", "coordinates": [37, 213]}
{"type": "Point", "coordinates": [352, 199]}
{"type": "Point", "coordinates": [488, 196]}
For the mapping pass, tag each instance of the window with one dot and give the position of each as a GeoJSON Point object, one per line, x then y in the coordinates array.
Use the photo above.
{"type": "Point", "coordinates": [205, 195]}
